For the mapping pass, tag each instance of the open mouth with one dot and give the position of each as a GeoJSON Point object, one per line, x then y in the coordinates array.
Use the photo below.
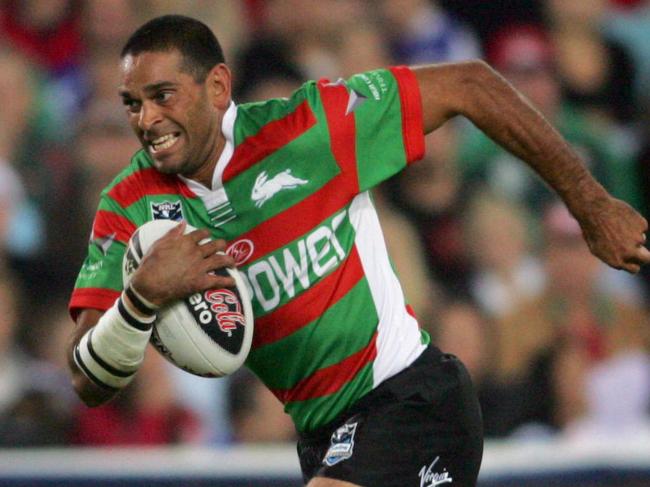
{"type": "Point", "coordinates": [164, 142]}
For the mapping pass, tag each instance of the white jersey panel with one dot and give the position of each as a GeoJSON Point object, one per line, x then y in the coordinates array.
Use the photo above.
{"type": "Point", "coordinates": [399, 340]}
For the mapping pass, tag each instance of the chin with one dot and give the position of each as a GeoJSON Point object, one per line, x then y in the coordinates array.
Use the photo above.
{"type": "Point", "coordinates": [166, 169]}
{"type": "Point", "coordinates": [168, 165]}
{"type": "Point", "coordinates": [170, 169]}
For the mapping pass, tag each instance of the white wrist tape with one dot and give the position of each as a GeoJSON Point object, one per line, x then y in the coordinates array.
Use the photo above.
{"type": "Point", "coordinates": [111, 352]}
{"type": "Point", "coordinates": [143, 305]}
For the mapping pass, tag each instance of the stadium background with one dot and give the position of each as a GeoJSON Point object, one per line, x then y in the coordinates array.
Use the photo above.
{"type": "Point", "coordinates": [495, 269]}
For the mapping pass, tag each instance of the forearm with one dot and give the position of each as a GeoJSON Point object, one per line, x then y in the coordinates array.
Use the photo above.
{"type": "Point", "coordinates": [107, 349]}
{"type": "Point", "coordinates": [614, 232]}
{"type": "Point", "coordinates": [490, 102]}
{"type": "Point", "coordinates": [91, 394]}
{"type": "Point", "coordinates": [510, 120]}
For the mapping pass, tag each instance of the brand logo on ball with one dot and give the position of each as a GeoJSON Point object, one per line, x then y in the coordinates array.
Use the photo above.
{"type": "Point", "coordinates": [226, 308]}
{"type": "Point", "coordinates": [167, 210]}
{"type": "Point", "coordinates": [241, 251]}
{"type": "Point", "coordinates": [219, 313]}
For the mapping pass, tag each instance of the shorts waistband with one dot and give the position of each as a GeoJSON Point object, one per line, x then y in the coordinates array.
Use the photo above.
{"type": "Point", "coordinates": [379, 395]}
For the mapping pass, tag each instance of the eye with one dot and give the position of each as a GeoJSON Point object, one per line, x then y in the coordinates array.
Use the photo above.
{"type": "Point", "coordinates": [132, 106]}
{"type": "Point", "coordinates": [163, 96]}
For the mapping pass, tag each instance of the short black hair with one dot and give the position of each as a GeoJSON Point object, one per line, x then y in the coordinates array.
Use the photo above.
{"type": "Point", "coordinates": [195, 41]}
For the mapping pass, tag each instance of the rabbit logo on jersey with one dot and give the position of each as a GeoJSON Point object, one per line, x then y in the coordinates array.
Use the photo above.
{"type": "Point", "coordinates": [266, 188]}
{"type": "Point", "coordinates": [341, 445]}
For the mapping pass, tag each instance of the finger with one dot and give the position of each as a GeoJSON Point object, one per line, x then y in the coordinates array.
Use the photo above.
{"type": "Point", "coordinates": [222, 244]}
{"type": "Point", "coordinates": [216, 281]}
{"type": "Point", "coordinates": [212, 247]}
{"type": "Point", "coordinates": [217, 261]}
{"type": "Point", "coordinates": [633, 263]}
{"type": "Point", "coordinates": [176, 229]}
{"type": "Point", "coordinates": [632, 268]}
{"type": "Point", "coordinates": [642, 255]}
{"type": "Point", "coordinates": [197, 235]}
{"type": "Point", "coordinates": [218, 245]}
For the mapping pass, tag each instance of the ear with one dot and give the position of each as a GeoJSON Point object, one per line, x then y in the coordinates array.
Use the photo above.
{"type": "Point", "coordinates": [219, 82]}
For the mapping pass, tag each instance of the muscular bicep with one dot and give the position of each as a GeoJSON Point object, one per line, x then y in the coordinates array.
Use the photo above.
{"type": "Point", "coordinates": [443, 91]}
{"type": "Point", "coordinates": [88, 392]}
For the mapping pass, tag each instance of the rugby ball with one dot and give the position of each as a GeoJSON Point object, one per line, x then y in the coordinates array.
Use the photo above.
{"type": "Point", "coordinates": [208, 334]}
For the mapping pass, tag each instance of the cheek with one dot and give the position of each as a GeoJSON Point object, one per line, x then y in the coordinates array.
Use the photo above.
{"type": "Point", "coordinates": [199, 118]}
{"type": "Point", "coordinates": [133, 120]}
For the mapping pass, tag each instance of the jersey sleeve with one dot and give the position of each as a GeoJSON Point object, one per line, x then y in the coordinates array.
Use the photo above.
{"type": "Point", "coordinates": [99, 282]}
{"type": "Point", "coordinates": [375, 123]}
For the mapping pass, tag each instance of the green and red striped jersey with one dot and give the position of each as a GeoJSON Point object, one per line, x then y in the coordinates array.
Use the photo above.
{"type": "Point", "coordinates": [290, 195]}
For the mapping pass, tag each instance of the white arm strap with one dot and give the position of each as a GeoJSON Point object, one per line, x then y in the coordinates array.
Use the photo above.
{"type": "Point", "coordinates": [111, 352]}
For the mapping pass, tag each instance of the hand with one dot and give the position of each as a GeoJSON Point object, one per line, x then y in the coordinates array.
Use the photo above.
{"type": "Point", "coordinates": [615, 233]}
{"type": "Point", "coordinates": [179, 265]}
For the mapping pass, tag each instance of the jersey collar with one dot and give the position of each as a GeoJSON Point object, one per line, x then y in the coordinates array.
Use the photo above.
{"type": "Point", "coordinates": [217, 195]}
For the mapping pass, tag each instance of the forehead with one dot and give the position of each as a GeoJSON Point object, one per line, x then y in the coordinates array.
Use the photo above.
{"type": "Point", "coordinates": [147, 68]}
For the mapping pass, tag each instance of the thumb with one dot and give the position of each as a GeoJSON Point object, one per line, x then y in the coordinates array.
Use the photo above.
{"type": "Point", "coordinates": [175, 232]}
{"type": "Point", "coordinates": [179, 229]}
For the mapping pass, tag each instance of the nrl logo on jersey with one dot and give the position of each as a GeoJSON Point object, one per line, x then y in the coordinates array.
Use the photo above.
{"type": "Point", "coordinates": [264, 188]}
{"type": "Point", "coordinates": [167, 210]}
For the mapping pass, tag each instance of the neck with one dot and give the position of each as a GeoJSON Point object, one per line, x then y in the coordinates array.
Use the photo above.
{"type": "Point", "coordinates": [205, 172]}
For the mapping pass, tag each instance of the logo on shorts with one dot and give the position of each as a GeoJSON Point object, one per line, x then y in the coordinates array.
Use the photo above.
{"type": "Point", "coordinates": [167, 210]}
{"type": "Point", "coordinates": [429, 478]}
{"type": "Point", "coordinates": [341, 445]}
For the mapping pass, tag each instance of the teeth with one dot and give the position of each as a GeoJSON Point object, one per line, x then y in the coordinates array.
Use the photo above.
{"type": "Point", "coordinates": [164, 142]}
{"type": "Point", "coordinates": [162, 139]}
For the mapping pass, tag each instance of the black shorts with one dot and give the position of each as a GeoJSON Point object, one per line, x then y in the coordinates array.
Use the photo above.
{"type": "Point", "coordinates": [420, 428]}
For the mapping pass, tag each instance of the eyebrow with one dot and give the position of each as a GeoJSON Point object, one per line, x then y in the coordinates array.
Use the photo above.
{"type": "Point", "coordinates": [150, 88]}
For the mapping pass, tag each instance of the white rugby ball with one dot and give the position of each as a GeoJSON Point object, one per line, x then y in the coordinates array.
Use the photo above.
{"type": "Point", "coordinates": [207, 334]}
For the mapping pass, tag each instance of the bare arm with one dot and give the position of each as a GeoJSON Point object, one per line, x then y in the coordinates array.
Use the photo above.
{"type": "Point", "coordinates": [612, 229]}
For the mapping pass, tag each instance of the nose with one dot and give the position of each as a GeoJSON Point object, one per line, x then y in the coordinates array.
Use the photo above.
{"type": "Point", "coordinates": [149, 115]}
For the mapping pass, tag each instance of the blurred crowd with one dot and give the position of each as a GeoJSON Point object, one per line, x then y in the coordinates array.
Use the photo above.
{"type": "Point", "coordinates": [492, 263]}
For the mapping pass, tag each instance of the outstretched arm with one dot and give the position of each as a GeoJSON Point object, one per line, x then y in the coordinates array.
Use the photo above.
{"type": "Point", "coordinates": [613, 230]}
